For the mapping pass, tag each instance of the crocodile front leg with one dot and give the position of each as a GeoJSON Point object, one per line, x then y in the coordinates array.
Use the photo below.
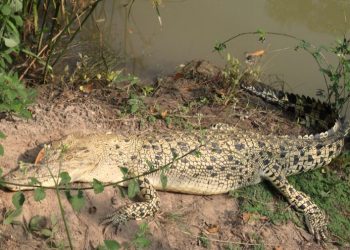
{"type": "Point", "coordinates": [138, 210]}
{"type": "Point", "coordinates": [315, 218]}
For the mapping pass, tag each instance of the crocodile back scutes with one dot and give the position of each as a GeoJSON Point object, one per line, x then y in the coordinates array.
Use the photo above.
{"type": "Point", "coordinates": [312, 113]}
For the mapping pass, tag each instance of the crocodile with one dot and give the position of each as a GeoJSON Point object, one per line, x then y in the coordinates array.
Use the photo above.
{"type": "Point", "coordinates": [203, 162]}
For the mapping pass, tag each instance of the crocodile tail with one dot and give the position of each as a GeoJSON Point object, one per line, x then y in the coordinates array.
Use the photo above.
{"type": "Point", "coordinates": [310, 112]}
{"type": "Point", "coordinates": [338, 131]}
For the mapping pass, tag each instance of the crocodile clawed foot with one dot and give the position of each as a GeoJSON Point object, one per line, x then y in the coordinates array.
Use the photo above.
{"type": "Point", "coordinates": [317, 225]}
{"type": "Point", "coordinates": [114, 220]}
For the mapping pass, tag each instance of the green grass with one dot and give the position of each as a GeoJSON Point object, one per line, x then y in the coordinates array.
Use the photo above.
{"type": "Point", "coordinates": [329, 188]}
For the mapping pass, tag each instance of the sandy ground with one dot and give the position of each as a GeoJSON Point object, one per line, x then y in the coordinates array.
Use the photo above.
{"type": "Point", "coordinates": [182, 218]}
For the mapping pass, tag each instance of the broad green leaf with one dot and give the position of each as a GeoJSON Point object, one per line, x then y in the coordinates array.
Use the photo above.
{"type": "Point", "coordinates": [65, 178]}
{"type": "Point", "coordinates": [46, 232]}
{"type": "Point", "coordinates": [124, 171]}
{"type": "Point", "coordinates": [1, 172]}
{"type": "Point", "coordinates": [111, 244]}
{"type": "Point", "coordinates": [141, 242]}
{"type": "Point", "coordinates": [13, 27]}
{"type": "Point", "coordinates": [98, 186]}
{"type": "Point", "coordinates": [6, 9]}
{"type": "Point", "coordinates": [2, 135]}
{"type": "Point", "coordinates": [11, 215]}
{"type": "Point", "coordinates": [7, 57]}
{"type": "Point", "coordinates": [134, 108]}
{"type": "Point", "coordinates": [1, 150]}
{"type": "Point", "coordinates": [150, 165]}
{"type": "Point", "coordinates": [33, 181]}
{"type": "Point", "coordinates": [18, 199]}
{"type": "Point", "coordinates": [133, 188]}
{"type": "Point", "coordinates": [219, 46]}
{"type": "Point", "coordinates": [168, 121]}
{"type": "Point", "coordinates": [2, 63]}
{"type": "Point", "coordinates": [17, 5]}
{"type": "Point", "coordinates": [197, 153]}
{"type": "Point", "coordinates": [77, 201]}
{"type": "Point", "coordinates": [10, 42]}
{"type": "Point", "coordinates": [39, 194]}
{"type": "Point", "coordinates": [18, 20]}
{"type": "Point", "coordinates": [163, 179]}
{"type": "Point", "coordinates": [37, 222]}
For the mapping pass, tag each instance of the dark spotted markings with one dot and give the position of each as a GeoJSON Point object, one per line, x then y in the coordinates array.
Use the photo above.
{"type": "Point", "coordinates": [239, 146]}
{"type": "Point", "coordinates": [266, 162]}
{"type": "Point", "coordinates": [184, 160]}
{"type": "Point", "coordinates": [310, 158]}
{"type": "Point", "coordinates": [296, 160]}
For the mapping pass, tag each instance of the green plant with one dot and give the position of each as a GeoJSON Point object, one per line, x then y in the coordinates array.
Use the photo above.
{"type": "Point", "coordinates": [339, 74]}
{"type": "Point", "coordinates": [2, 136]}
{"type": "Point", "coordinates": [336, 76]}
{"type": "Point", "coordinates": [135, 104]}
{"type": "Point", "coordinates": [258, 199]}
{"type": "Point", "coordinates": [141, 240]}
{"type": "Point", "coordinates": [203, 240]}
{"type": "Point", "coordinates": [109, 245]}
{"type": "Point", "coordinates": [18, 201]}
{"type": "Point", "coordinates": [14, 97]}
{"type": "Point", "coordinates": [10, 23]}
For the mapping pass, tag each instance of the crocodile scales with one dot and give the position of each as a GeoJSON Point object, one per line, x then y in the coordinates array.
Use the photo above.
{"type": "Point", "coordinates": [204, 162]}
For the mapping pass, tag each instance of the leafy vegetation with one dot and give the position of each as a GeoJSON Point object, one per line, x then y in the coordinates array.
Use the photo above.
{"type": "Point", "coordinates": [260, 202]}
{"type": "Point", "coordinates": [14, 97]}
{"type": "Point", "coordinates": [141, 240]}
{"type": "Point", "coordinates": [336, 75]}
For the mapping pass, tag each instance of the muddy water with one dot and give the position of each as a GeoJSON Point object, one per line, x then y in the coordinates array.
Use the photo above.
{"type": "Point", "coordinates": [190, 28]}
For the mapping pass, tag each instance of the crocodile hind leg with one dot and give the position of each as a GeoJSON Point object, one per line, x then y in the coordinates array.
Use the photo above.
{"type": "Point", "coordinates": [138, 210]}
{"type": "Point", "coordinates": [315, 218]}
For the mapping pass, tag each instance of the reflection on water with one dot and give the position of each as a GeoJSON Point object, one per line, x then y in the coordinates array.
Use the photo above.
{"type": "Point", "coordinates": [330, 16]}
{"type": "Point", "coordinates": [191, 28]}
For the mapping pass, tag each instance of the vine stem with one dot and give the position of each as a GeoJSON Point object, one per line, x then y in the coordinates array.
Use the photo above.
{"type": "Point", "coordinates": [288, 36]}
{"type": "Point", "coordinates": [61, 208]}
{"type": "Point", "coordinates": [105, 185]}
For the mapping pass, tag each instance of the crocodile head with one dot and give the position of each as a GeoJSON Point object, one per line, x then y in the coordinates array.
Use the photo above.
{"type": "Point", "coordinates": [74, 154]}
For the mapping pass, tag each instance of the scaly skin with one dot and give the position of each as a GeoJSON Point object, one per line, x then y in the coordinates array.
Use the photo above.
{"type": "Point", "coordinates": [211, 161]}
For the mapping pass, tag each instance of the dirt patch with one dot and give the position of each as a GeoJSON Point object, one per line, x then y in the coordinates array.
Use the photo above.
{"type": "Point", "coordinates": [183, 218]}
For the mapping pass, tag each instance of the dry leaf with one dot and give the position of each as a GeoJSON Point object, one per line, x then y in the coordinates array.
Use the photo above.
{"type": "Point", "coordinates": [246, 216]}
{"type": "Point", "coordinates": [212, 228]}
{"type": "Point", "coordinates": [86, 88]}
{"type": "Point", "coordinates": [164, 114]}
{"type": "Point", "coordinates": [178, 76]}
{"type": "Point", "coordinates": [256, 53]}
{"type": "Point", "coordinates": [40, 156]}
